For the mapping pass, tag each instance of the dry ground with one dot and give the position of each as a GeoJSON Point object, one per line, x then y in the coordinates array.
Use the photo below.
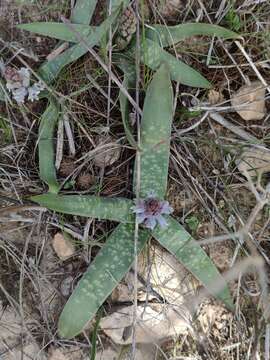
{"type": "Point", "coordinates": [209, 195]}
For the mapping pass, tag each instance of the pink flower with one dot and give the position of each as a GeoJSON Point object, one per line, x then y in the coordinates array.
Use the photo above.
{"type": "Point", "coordinates": [149, 211]}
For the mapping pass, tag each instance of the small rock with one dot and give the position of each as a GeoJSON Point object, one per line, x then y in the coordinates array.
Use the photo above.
{"type": "Point", "coordinates": [254, 162]}
{"type": "Point", "coordinates": [66, 286]}
{"type": "Point", "coordinates": [249, 101]}
{"type": "Point", "coordinates": [164, 280]}
{"type": "Point", "coordinates": [108, 153]}
{"type": "Point", "coordinates": [153, 323]}
{"type": "Point", "coordinates": [62, 246]}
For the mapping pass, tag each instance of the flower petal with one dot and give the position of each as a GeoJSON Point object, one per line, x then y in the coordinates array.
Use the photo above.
{"type": "Point", "coordinates": [162, 221]}
{"type": "Point", "coordinates": [166, 208]}
{"type": "Point", "coordinates": [25, 76]}
{"type": "Point", "coordinates": [141, 218]}
{"type": "Point", "coordinates": [138, 209]}
{"type": "Point", "coordinates": [19, 94]}
{"type": "Point", "coordinates": [151, 222]}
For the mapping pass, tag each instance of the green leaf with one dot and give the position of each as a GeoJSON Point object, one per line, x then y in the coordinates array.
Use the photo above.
{"type": "Point", "coordinates": [170, 35]}
{"type": "Point", "coordinates": [47, 125]}
{"type": "Point", "coordinates": [179, 242]}
{"type": "Point", "coordinates": [83, 11]}
{"type": "Point", "coordinates": [153, 56]}
{"type": "Point", "coordinates": [51, 69]}
{"type": "Point", "coordinates": [155, 134]}
{"type": "Point", "coordinates": [129, 83]}
{"type": "Point", "coordinates": [2, 91]}
{"type": "Point", "coordinates": [94, 340]}
{"type": "Point", "coordinates": [116, 209]}
{"type": "Point", "coordinates": [60, 31]}
{"type": "Point", "coordinates": [104, 273]}
{"type": "Point", "coordinates": [116, 3]}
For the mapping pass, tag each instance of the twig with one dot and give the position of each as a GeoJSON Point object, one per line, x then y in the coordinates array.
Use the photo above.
{"type": "Point", "coordinates": [138, 179]}
{"type": "Point", "coordinates": [109, 68]}
{"type": "Point", "coordinates": [59, 144]}
{"type": "Point", "coordinates": [235, 129]}
{"type": "Point", "coordinates": [252, 65]}
{"type": "Point", "coordinates": [102, 64]}
{"type": "Point", "coordinates": [267, 342]}
{"type": "Point", "coordinates": [69, 134]}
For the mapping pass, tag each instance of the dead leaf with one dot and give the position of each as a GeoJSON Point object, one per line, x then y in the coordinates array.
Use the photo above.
{"type": "Point", "coordinates": [249, 101]}
{"type": "Point", "coordinates": [143, 352]}
{"type": "Point", "coordinates": [221, 254]}
{"type": "Point", "coordinates": [214, 319]}
{"type": "Point", "coordinates": [28, 351]}
{"type": "Point", "coordinates": [62, 246]}
{"type": "Point", "coordinates": [254, 162]}
{"type": "Point", "coordinates": [56, 354]}
{"type": "Point", "coordinates": [170, 8]}
{"type": "Point", "coordinates": [72, 352]}
{"type": "Point", "coordinates": [11, 333]}
{"type": "Point", "coordinates": [108, 151]}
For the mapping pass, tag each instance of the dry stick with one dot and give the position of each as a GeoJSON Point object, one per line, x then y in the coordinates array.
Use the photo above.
{"type": "Point", "coordinates": [11, 209]}
{"type": "Point", "coordinates": [68, 130]}
{"type": "Point", "coordinates": [267, 342]}
{"type": "Point", "coordinates": [109, 67]}
{"type": "Point", "coordinates": [99, 88]}
{"type": "Point", "coordinates": [246, 80]}
{"type": "Point", "coordinates": [59, 144]}
{"type": "Point", "coordinates": [252, 65]}
{"type": "Point", "coordinates": [102, 64]}
{"type": "Point", "coordinates": [138, 179]}
{"type": "Point", "coordinates": [235, 129]}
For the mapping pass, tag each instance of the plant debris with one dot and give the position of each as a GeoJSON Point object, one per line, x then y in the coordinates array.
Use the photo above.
{"type": "Point", "coordinates": [249, 101]}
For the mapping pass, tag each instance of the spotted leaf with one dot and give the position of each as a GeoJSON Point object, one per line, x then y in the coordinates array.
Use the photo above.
{"type": "Point", "coordinates": [104, 273]}
{"type": "Point", "coordinates": [153, 56]}
{"type": "Point", "coordinates": [155, 135]}
{"type": "Point", "coordinates": [83, 11]}
{"type": "Point", "coordinates": [50, 69]}
{"type": "Point", "coordinates": [180, 243]}
{"type": "Point", "coordinates": [98, 207]}
{"type": "Point", "coordinates": [170, 35]}
{"type": "Point", "coordinates": [47, 171]}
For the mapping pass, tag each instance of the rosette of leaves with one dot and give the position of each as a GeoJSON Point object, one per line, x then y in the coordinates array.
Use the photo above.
{"type": "Point", "coordinates": [155, 38]}
{"type": "Point", "coordinates": [117, 254]}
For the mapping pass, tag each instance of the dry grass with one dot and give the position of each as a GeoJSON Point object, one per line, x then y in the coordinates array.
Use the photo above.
{"type": "Point", "coordinates": [204, 183]}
